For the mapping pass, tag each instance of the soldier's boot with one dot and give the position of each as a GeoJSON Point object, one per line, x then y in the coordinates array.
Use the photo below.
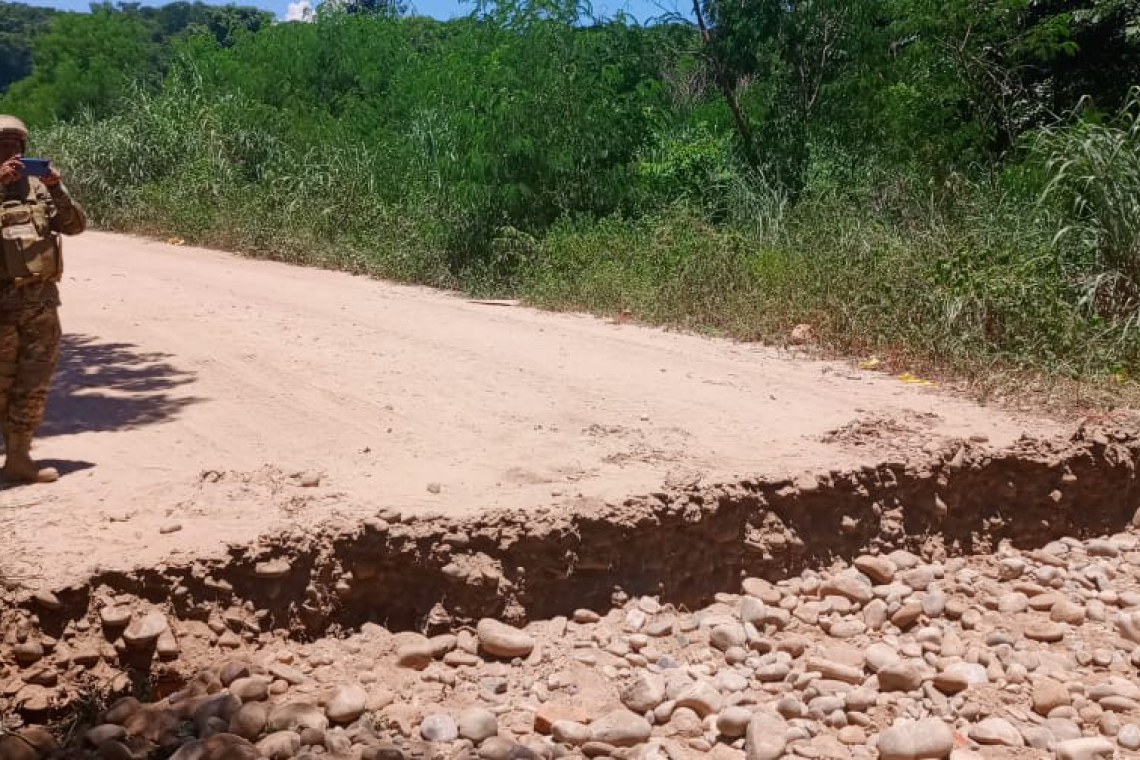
{"type": "Point", "coordinates": [19, 467]}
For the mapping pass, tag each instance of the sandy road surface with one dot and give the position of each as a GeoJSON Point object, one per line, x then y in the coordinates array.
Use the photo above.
{"type": "Point", "coordinates": [194, 385]}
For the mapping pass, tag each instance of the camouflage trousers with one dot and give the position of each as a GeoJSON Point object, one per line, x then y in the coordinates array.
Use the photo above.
{"type": "Point", "coordinates": [29, 350]}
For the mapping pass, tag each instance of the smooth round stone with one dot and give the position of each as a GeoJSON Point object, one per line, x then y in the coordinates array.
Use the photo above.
{"type": "Point", "coordinates": [477, 724]}
{"type": "Point", "coordinates": [621, 728]}
{"type": "Point", "coordinates": [733, 721]}
{"type": "Point", "coordinates": [1046, 632]}
{"type": "Point", "coordinates": [919, 740]}
{"type": "Point", "coordinates": [439, 727]}
{"type": "Point", "coordinates": [997, 731]}
{"type": "Point", "coordinates": [1129, 736]}
{"type": "Point", "coordinates": [503, 640]}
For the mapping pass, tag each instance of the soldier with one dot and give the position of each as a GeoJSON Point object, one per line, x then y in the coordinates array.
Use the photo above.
{"type": "Point", "coordinates": [34, 212]}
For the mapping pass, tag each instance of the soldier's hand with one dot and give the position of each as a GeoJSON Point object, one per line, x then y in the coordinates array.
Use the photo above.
{"type": "Point", "coordinates": [11, 170]}
{"type": "Point", "coordinates": [52, 177]}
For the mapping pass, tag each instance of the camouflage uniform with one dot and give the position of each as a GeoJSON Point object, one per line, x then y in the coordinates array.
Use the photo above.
{"type": "Point", "coordinates": [29, 321]}
{"type": "Point", "coordinates": [29, 307]}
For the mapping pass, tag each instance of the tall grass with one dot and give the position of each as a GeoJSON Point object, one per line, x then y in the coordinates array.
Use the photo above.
{"type": "Point", "coordinates": [1094, 183]}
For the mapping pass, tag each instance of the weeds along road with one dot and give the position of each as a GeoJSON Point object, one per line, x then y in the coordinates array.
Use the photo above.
{"type": "Point", "coordinates": [201, 395]}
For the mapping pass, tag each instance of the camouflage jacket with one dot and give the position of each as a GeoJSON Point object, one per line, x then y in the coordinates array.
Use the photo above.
{"type": "Point", "coordinates": [67, 217]}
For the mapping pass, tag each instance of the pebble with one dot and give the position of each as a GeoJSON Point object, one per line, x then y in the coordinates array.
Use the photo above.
{"type": "Point", "coordinates": [726, 636]}
{"type": "Point", "coordinates": [477, 724]}
{"type": "Point", "coordinates": [346, 704]}
{"type": "Point", "coordinates": [250, 720]}
{"type": "Point", "coordinates": [620, 728]}
{"type": "Point", "coordinates": [115, 617]}
{"type": "Point", "coordinates": [997, 731]}
{"type": "Point", "coordinates": [251, 688]}
{"type": "Point", "coordinates": [644, 693]}
{"type": "Point", "coordinates": [851, 588]}
{"type": "Point", "coordinates": [1065, 611]}
{"type": "Point", "coordinates": [1048, 695]}
{"type": "Point", "coordinates": [1045, 631]}
{"type": "Point", "coordinates": [766, 737]}
{"type": "Point", "coordinates": [900, 676]}
{"type": "Point", "coordinates": [502, 640]}
{"type": "Point", "coordinates": [702, 698]}
{"type": "Point", "coordinates": [1089, 748]}
{"type": "Point", "coordinates": [919, 740]}
{"type": "Point", "coordinates": [145, 630]}
{"type": "Point", "coordinates": [878, 568]}
{"type": "Point", "coordinates": [294, 716]}
{"type": "Point", "coordinates": [416, 653]}
{"type": "Point", "coordinates": [1128, 736]}
{"type": "Point", "coordinates": [439, 727]}
{"type": "Point", "coordinates": [280, 745]}
{"type": "Point", "coordinates": [272, 569]}
{"type": "Point", "coordinates": [570, 732]}
{"type": "Point", "coordinates": [733, 721]}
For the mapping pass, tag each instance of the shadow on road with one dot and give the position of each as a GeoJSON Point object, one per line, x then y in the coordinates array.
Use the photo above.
{"type": "Point", "coordinates": [111, 386]}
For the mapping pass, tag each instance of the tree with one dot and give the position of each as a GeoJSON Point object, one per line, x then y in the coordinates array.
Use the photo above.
{"type": "Point", "coordinates": [19, 25]}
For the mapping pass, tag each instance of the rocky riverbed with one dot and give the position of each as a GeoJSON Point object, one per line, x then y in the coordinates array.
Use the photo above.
{"type": "Point", "coordinates": [1017, 654]}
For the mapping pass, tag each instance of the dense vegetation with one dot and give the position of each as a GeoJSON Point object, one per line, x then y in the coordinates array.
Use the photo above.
{"type": "Point", "coordinates": [953, 183]}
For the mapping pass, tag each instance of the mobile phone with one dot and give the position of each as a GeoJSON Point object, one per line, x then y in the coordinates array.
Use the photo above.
{"type": "Point", "coordinates": [36, 167]}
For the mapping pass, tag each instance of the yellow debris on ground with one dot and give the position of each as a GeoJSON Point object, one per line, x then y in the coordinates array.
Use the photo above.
{"type": "Point", "coordinates": [907, 377]}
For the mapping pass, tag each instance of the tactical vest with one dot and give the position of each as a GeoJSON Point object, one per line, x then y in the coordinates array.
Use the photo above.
{"type": "Point", "coordinates": [30, 246]}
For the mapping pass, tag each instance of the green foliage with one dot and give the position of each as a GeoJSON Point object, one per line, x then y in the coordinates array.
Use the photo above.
{"type": "Point", "coordinates": [1094, 183]}
{"type": "Point", "coordinates": [19, 25]}
{"type": "Point", "coordinates": [93, 62]}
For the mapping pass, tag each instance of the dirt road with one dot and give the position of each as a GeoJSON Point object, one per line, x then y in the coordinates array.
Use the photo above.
{"type": "Point", "coordinates": [196, 386]}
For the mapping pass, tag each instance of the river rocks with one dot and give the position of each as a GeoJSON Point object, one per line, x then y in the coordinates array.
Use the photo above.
{"type": "Point", "coordinates": [879, 569]}
{"type": "Point", "coordinates": [766, 737]}
{"type": "Point", "coordinates": [416, 654]}
{"type": "Point", "coordinates": [113, 616]}
{"type": "Point", "coordinates": [997, 731]}
{"type": "Point", "coordinates": [287, 673]}
{"type": "Point", "coordinates": [439, 727]}
{"type": "Point", "coordinates": [280, 745]}
{"type": "Point", "coordinates": [28, 652]}
{"type": "Point", "coordinates": [477, 724]}
{"type": "Point", "coordinates": [502, 640]}
{"type": "Point", "coordinates": [145, 630]}
{"type": "Point", "coordinates": [227, 747]}
{"type": "Point", "coordinates": [725, 637]}
{"type": "Point", "coordinates": [570, 733]}
{"type": "Point", "coordinates": [250, 720]}
{"type": "Point", "coordinates": [251, 688]}
{"type": "Point", "coordinates": [733, 721]}
{"type": "Point", "coordinates": [550, 713]}
{"type": "Point", "coordinates": [849, 587]}
{"type": "Point", "coordinates": [295, 716]}
{"type": "Point", "coordinates": [1090, 748]}
{"type": "Point", "coordinates": [346, 704]}
{"type": "Point", "coordinates": [900, 676]}
{"type": "Point", "coordinates": [644, 693]}
{"type": "Point", "coordinates": [620, 728]}
{"type": "Point", "coordinates": [1023, 649]}
{"type": "Point", "coordinates": [1048, 695]}
{"type": "Point", "coordinates": [702, 698]}
{"type": "Point", "coordinates": [1046, 631]}
{"type": "Point", "coordinates": [920, 740]}
{"type": "Point", "coordinates": [1128, 625]}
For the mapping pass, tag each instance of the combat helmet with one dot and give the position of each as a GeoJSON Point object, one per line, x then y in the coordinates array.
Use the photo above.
{"type": "Point", "coordinates": [10, 125]}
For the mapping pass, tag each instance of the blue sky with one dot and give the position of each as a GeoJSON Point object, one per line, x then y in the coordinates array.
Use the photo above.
{"type": "Point", "coordinates": [639, 9]}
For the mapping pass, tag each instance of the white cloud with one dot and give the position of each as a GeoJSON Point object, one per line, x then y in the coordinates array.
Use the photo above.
{"type": "Point", "coordinates": [302, 10]}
